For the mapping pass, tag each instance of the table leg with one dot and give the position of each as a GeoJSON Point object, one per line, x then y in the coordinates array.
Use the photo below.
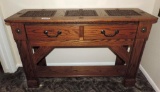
{"type": "Point", "coordinates": [25, 52]}
{"type": "Point", "coordinates": [133, 65]}
{"type": "Point", "coordinates": [119, 61]}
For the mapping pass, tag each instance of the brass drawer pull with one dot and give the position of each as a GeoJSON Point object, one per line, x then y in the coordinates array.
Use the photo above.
{"type": "Point", "coordinates": [58, 33]}
{"type": "Point", "coordinates": [109, 35]}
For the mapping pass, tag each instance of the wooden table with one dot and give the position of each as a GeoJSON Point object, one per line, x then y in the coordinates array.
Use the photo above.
{"type": "Point", "coordinates": [38, 31]}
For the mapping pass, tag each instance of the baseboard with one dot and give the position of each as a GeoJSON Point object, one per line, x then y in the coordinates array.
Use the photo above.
{"type": "Point", "coordinates": [76, 64]}
{"type": "Point", "coordinates": [149, 79]}
{"type": "Point", "coordinates": [81, 64]}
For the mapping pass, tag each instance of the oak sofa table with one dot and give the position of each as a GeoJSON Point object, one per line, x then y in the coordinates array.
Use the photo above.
{"type": "Point", "coordinates": [38, 31]}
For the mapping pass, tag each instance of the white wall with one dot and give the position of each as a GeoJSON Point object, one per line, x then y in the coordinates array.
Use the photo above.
{"type": "Point", "coordinates": [11, 6]}
{"type": "Point", "coordinates": [6, 56]}
{"type": "Point", "coordinates": [151, 57]}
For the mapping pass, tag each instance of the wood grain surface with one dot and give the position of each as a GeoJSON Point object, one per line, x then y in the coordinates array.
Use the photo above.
{"type": "Point", "coordinates": [119, 29]}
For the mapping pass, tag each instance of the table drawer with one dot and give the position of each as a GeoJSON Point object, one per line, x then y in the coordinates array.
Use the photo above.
{"type": "Point", "coordinates": [110, 32]}
{"type": "Point", "coordinates": [50, 32]}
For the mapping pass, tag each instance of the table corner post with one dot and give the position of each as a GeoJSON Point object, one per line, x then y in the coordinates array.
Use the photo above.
{"type": "Point", "coordinates": [132, 67]}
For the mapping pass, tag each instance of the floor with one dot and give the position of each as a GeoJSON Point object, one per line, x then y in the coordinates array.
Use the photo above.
{"type": "Point", "coordinates": [16, 82]}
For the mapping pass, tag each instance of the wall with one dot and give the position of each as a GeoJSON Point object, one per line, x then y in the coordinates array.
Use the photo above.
{"type": "Point", "coordinates": [9, 6]}
{"type": "Point", "coordinates": [6, 56]}
{"type": "Point", "coordinates": [151, 57]}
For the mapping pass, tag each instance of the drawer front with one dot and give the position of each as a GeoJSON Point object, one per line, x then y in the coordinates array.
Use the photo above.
{"type": "Point", "coordinates": [50, 32]}
{"type": "Point", "coordinates": [110, 32]}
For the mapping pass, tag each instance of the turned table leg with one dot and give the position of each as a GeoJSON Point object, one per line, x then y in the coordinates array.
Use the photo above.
{"type": "Point", "coordinates": [29, 68]}
{"type": "Point", "coordinates": [133, 65]}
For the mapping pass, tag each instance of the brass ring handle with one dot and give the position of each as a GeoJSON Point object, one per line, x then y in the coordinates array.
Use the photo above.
{"type": "Point", "coordinates": [109, 35]}
{"type": "Point", "coordinates": [58, 33]}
